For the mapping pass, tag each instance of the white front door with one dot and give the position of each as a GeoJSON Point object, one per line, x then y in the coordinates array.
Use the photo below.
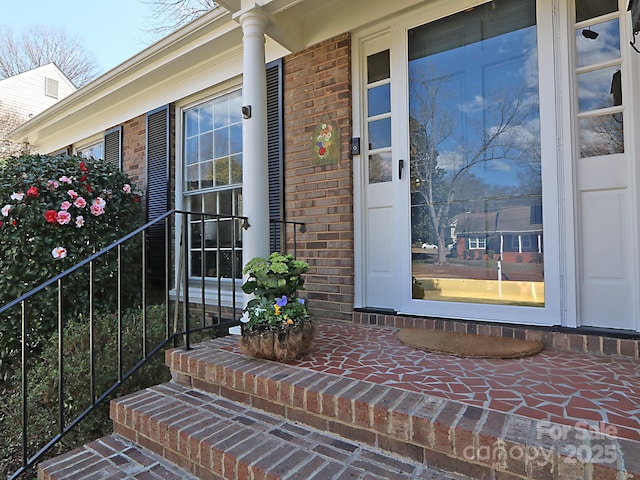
{"type": "Point", "coordinates": [380, 178]}
{"type": "Point", "coordinates": [486, 191]}
{"type": "Point", "coordinates": [607, 237]}
{"type": "Point", "coordinates": [453, 184]}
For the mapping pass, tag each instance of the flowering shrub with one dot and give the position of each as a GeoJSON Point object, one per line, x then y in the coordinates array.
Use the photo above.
{"type": "Point", "coordinates": [54, 212]}
{"type": "Point", "coordinates": [274, 282]}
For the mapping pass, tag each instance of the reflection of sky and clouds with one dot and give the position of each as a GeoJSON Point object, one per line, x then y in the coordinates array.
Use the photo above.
{"type": "Point", "coordinates": [595, 86]}
{"type": "Point", "coordinates": [481, 75]}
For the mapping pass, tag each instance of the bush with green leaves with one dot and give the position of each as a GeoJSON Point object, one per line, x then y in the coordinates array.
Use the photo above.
{"type": "Point", "coordinates": [54, 212]}
{"type": "Point", "coordinates": [43, 381]}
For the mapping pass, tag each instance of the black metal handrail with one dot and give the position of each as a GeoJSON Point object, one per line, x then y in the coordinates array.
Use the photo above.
{"type": "Point", "coordinates": [226, 315]}
{"type": "Point", "coordinates": [279, 233]}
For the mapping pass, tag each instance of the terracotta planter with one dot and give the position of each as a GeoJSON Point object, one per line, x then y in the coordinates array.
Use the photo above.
{"type": "Point", "coordinates": [283, 344]}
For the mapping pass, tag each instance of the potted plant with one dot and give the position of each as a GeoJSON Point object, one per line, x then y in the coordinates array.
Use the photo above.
{"type": "Point", "coordinates": [275, 322]}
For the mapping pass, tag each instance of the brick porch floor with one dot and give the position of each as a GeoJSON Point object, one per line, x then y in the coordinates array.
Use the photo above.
{"type": "Point", "coordinates": [593, 391]}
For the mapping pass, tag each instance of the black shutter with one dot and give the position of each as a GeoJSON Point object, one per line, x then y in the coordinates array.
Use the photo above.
{"type": "Point", "coordinates": [157, 190]}
{"type": "Point", "coordinates": [113, 146]}
{"type": "Point", "coordinates": [275, 152]}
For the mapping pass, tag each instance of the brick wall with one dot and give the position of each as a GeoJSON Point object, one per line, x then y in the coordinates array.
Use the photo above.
{"type": "Point", "coordinates": [134, 146]}
{"type": "Point", "coordinates": [317, 88]}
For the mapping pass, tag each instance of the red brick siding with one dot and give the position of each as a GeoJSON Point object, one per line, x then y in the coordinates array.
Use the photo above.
{"type": "Point", "coordinates": [317, 87]}
{"type": "Point", "coordinates": [134, 146]}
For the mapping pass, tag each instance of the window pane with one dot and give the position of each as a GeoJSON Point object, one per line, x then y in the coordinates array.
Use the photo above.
{"type": "Point", "coordinates": [206, 147]}
{"type": "Point", "coordinates": [191, 122]}
{"type": "Point", "coordinates": [221, 112]}
{"type": "Point", "coordinates": [191, 178]}
{"type": "Point", "coordinates": [236, 169]}
{"type": "Point", "coordinates": [380, 134]}
{"type": "Point", "coordinates": [596, 89]}
{"type": "Point", "coordinates": [586, 9]}
{"type": "Point", "coordinates": [602, 135]}
{"type": "Point", "coordinates": [235, 138]}
{"type": "Point", "coordinates": [378, 67]}
{"type": "Point", "coordinates": [222, 171]}
{"type": "Point", "coordinates": [475, 167]}
{"type": "Point", "coordinates": [379, 100]}
{"type": "Point", "coordinates": [380, 167]}
{"type": "Point", "coordinates": [206, 123]}
{"type": "Point", "coordinates": [206, 175]}
{"type": "Point", "coordinates": [604, 48]}
{"type": "Point", "coordinates": [221, 142]}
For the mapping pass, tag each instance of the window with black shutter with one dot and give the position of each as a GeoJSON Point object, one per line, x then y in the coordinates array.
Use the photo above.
{"type": "Point", "coordinates": [113, 146]}
{"type": "Point", "coordinates": [275, 152]}
{"type": "Point", "coordinates": [157, 189]}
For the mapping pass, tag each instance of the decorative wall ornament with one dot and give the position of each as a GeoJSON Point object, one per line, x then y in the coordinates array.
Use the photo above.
{"type": "Point", "coordinates": [326, 143]}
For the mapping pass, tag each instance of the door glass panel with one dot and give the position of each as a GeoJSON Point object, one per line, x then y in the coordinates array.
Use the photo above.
{"type": "Point", "coordinates": [596, 89]}
{"type": "Point", "coordinates": [379, 100]}
{"type": "Point", "coordinates": [586, 9]}
{"type": "Point", "coordinates": [475, 162]}
{"type": "Point", "coordinates": [380, 133]}
{"type": "Point", "coordinates": [378, 143]}
{"type": "Point", "coordinates": [601, 135]}
{"type": "Point", "coordinates": [380, 167]}
{"type": "Point", "coordinates": [598, 43]}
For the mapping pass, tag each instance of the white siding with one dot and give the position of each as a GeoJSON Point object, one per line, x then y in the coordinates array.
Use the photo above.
{"type": "Point", "coordinates": [25, 93]}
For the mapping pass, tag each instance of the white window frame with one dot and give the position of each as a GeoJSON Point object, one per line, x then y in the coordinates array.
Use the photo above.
{"type": "Point", "coordinates": [211, 294]}
{"type": "Point", "coordinates": [88, 145]}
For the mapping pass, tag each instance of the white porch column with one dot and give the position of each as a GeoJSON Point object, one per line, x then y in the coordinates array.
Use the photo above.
{"type": "Point", "coordinates": [255, 172]}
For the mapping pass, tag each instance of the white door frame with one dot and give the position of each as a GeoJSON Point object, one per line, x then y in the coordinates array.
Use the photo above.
{"type": "Point", "coordinates": [556, 283]}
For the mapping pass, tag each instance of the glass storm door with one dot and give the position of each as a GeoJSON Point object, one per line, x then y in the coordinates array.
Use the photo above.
{"type": "Point", "coordinates": [475, 184]}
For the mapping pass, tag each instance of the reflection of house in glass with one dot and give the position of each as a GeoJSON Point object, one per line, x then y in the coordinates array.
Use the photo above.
{"type": "Point", "coordinates": [512, 234]}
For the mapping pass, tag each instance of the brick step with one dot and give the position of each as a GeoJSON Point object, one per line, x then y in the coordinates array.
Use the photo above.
{"type": "Point", "coordinates": [111, 457]}
{"type": "Point", "coordinates": [452, 436]}
{"type": "Point", "coordinates": [214, 438]}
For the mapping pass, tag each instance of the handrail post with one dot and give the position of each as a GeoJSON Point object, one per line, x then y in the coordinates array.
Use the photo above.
{"type": "Point", "coordinates": [185, 283]}
{"type": "Point", "coordinates": [92, 386]}
{"type": "Point", "coordinates": [25, 329]}
{"type": "Point", "coordinates": [60, 358]}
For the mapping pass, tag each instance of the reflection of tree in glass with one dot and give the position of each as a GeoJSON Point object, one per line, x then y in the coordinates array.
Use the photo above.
{"type": "Point", "coordinates": [379, 168]}
{"type": "Point", "coordinates": [222, 171]}
{"type": "Point", "coordinates": [602, 135]}
{"type": "Point", "coordinates": [436, 184]}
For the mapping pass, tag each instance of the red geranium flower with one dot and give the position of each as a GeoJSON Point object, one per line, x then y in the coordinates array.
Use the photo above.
{"type": "Point", "coordinates": [14, 222]}
{"type": "Point", "coordinates": [136, 199]}
{"type": "Point", "coordinates": [88, 188]}
{"type": "Point", "coordinates": [51, 216]}
{"type": "Point", "coordinates": [83, 167]}
{"type": "Point", "coordinates": [33, 192]}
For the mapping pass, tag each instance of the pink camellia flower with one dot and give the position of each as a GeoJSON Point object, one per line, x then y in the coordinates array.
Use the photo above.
{"type": "Point", "coordinates": [59, 253]}
{"type": "Point", "coordinates": [5, 210]}
{"type": "Point", "coordinates": [80, 202]}
{"type": "Point", "coordinates": [52, 184]}
{"type": "Point", "coordinates": [99, 201]}
{"type": "Point", "coordinates": [64, 217]}
{"type": "Point", "coordinates": [79, 221]}
{"type": "Point", "coordinates": [65, 205]}
{"type": "Point", "coordinates": [96, 210]}
{"type": "Point", "coordinates": [17, 196]}
{"type": "Point", "coordinates": [126, 188]}
{"type": "Point", "coordinates": [33, 192]}
{"type": "Point", "coordinates": [65, 179]}
{"type": "Point", "coordinates": [72, 193]}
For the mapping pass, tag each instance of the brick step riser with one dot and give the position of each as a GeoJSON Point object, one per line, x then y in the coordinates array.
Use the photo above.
{"type": "Point", "coordinates": [445, 434]}
{"type": "Point", "coordinates": [214, 438]}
